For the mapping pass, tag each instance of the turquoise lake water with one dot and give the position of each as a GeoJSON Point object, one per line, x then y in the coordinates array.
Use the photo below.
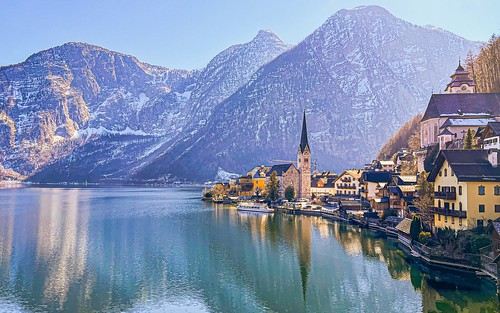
{"type": "Point", "coordinates": [164, 250]}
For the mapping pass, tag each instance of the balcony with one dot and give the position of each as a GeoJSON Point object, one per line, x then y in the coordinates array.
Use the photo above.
{"type": "Point", "coordinates": [445, 195]}
{"type": "Point", "coordinates": [448, 212]}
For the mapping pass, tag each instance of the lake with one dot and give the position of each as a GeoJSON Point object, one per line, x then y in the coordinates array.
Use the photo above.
{"type": "Point", "coordinates": [163, 250]}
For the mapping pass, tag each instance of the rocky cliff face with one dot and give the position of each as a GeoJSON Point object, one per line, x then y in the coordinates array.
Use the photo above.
{"type": "Point", "coordinates": [63, 97]}
{"type": "Point", "coordinates": [80, 112]}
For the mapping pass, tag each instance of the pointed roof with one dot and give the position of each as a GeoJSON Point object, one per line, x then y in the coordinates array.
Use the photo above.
{"type": "Point", "coordinates": [461, 76]}
{"type": "Point", "coordinates": [303, 139]}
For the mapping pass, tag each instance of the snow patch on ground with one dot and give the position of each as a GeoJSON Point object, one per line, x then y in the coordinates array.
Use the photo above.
{"type": "Point", "coordinates": [224, 176]}
{"type": "Point", "coordinates": [101, 131]}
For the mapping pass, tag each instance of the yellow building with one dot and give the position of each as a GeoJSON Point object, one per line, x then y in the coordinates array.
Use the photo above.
{"type": "Point", "coordinates": [467, 188]}
{"type": "Point", "coordinates": [259, 182]}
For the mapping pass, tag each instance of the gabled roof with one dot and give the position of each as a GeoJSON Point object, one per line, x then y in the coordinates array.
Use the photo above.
{"type": "Point", "coordinates": [329, 182]}
{"type": "Point", "coordinates": [407, 178]}
{"type": "Point", "coordinates": [377, 176]}
{"type": "Point", "coordinates": [491, 130]}
{"type": "Point", "coordinates": [463, 104]}
{"type": "Point", "coordinates": [280, 168]}
{"type": "Point", "coordinates": [408, 188]}
{"type": "Point", "coordinates": [467, 165]}
{"type": "Point", "coordinates": [497, 226]}
{"type": "Point", "coordinates": [404, 226]}
{"type": "Point", "coordinates": [354, 173]}
{"type": "Point", "coordinates": [388, 162]}
{"type": "Point", "coordinates": [467, 122]}
{"type": "Point", "coordinates": [445, 132]}
{"type": "Point", "coordinates": [393, 219]}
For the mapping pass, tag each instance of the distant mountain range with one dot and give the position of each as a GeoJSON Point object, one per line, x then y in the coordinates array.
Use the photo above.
{"type": "Point", "coordinates": [78, 112]}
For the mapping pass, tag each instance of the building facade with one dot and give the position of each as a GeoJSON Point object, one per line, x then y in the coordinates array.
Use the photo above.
{"type": "Point", "coordinates": [288, 175]}
{"type": "Point", "coordinates": [449, 116]}
{"type": "Point", "coordinates": [348, 184]}
{"type": "Point", "coordinates": [466, 188]}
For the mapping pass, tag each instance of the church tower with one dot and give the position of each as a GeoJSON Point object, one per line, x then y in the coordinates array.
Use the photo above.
{"type": "Point", "coordinates": [461, 82]}
{"type": "Point", "coordinates": [304, 163]}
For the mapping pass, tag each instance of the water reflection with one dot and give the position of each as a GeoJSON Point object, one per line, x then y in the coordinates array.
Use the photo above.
{"type": "Point", "coordinates": [150, 249]}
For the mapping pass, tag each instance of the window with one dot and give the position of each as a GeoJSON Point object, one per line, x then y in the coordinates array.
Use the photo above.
{"type": "Point", "coordinates": [439, 203]}
{"type": "Point", "coordinates": [480, 223]}
{"type": "Point", "coordinates": [445, 172]}
{"type": "Point", "coordinates": [480, 190]}
{"type": "Point", "coordinates": [497, 208]}
{"type": "Point", "coordinates": [481, 208]}
{"type": "Point", "coordinates": [446, 218]}
{"type": "Point", "coordinates": [440, 173]}
{"type": "Point", "coordinates": [452, 174]}
{"type": "Point", "coordinates": [460, 221]}
{"type": "Point", "coordinates": [453, 206]}
{"type": "Point", "coordinates": [439, 188]}
{"type": "Point", "coordinates": [453, 220]}
{"type": "Point", "coordinates": [460, 206]}
{"type": "Point", "coordinates": [439, 217]}
{"type": "Point", "coordinates": [459, 190]}
{"type": "Point", "coordinates": [497, 190]}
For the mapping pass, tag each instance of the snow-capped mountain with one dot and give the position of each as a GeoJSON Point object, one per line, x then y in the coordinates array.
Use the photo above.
{"type": "Point", "coordinates": [62, 97]}
{"type": "Point", "coordinates": [79, 112]}
{"type": "Point", "coordinates": [360, 76]}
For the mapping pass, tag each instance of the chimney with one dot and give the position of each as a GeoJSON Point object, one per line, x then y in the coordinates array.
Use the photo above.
{"type": "Point", "coordinates": [493, 157]}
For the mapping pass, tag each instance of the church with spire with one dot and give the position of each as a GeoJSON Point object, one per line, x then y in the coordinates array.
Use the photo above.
{"type": "Point", "coordinates": [304, 163]}
{"type": "Point", "coordinates": [450, 115]}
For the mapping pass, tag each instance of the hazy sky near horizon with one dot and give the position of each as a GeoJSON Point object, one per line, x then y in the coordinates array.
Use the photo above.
{"type": "Point", "coordinates": [188, 34]}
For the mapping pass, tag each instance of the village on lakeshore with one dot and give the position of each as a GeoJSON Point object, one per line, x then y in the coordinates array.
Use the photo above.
{"type": "Point", "coordinates": [441, 200]}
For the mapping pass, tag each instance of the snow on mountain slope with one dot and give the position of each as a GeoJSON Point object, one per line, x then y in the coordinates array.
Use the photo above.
{"type": "Point", "coordinates": [360, 76]}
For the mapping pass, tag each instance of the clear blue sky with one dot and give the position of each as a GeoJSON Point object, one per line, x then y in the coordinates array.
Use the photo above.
{"type": "Point", "coordinates": [187, 34]}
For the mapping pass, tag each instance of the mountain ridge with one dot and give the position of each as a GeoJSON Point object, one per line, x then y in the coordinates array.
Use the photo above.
{"type": "Point", "coordinates": [243, 108]}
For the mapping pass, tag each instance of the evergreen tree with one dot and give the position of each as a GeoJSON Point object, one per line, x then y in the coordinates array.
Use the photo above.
{"type": "Point", "coordinates": [468, 140]}
{"type": "Point", "coordinates": [425, 200]}
{"type": "Point", "coordinates": [273, 187]}
{"type": "Point", "coordinates": [290, 193]}
{"type": "Point", "coordinates": [415, 228]}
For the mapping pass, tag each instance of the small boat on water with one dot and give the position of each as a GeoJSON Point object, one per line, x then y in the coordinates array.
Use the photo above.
{"type": "Point", "coordinates": [254, 207]}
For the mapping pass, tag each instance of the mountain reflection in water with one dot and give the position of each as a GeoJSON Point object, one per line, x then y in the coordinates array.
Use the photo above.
{"type": "Point", "coordinates": [146, 249]}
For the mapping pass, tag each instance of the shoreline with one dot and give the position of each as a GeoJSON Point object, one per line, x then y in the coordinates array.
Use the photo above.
{"type": "Point", "coordinates": [411, 251]}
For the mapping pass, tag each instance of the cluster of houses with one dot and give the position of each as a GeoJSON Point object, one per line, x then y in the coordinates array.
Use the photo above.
{"type": "Point", "coordinates": [466, 182]}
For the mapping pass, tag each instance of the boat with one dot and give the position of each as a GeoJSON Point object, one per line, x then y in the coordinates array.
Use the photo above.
{"type": "Point", "coordinates": [254, 207]}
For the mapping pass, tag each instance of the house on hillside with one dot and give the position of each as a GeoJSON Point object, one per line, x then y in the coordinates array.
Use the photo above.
{"type": "Point", "coordinates": [374, 188]}
{"type": "Point", "coordinates": [449, 116]}
{"type": "Point", "coordinates": [466, 188]}
{"type": "Point", "coordinates": [402, 193]}
{"type": "Point", "coordinates": [490, 137]}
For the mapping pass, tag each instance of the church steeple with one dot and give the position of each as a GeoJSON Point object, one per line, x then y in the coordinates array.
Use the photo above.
{"type": "Point", "coordinates": [304, 162]}
{"type": "Point", "coordinates": [303, 139]}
